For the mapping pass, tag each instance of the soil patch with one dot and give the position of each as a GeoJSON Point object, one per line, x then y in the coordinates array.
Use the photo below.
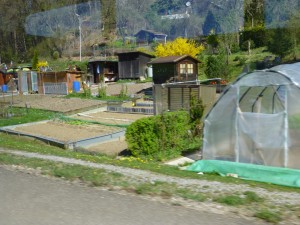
{"type": "Point", "coordinates": [113, 118]}
{"type": "Point", "coordinates": [112, 148]}
{"type": "Point", "coordinates": [56, 103]}
{"type": "Point", "coordinates": [66, 132]}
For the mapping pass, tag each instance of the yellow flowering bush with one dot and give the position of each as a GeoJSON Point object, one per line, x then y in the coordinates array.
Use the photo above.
{"type": "Point", "coordinates": [180, 46]}
{"type": "Point", "coordinates": [42, 64]}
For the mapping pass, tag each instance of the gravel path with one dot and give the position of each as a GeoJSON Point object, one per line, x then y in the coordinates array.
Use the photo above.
{"type": "Point", "coordinates": [290, 198]}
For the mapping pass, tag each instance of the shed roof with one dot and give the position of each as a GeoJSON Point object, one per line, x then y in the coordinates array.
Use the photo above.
{"type": "Point", "coordinates": [172, 59]}
{"type": "Point", "coordinates": [152, 32]}
{"type": "Point", "coordinates": [103, 60]}
{"type": "Point", "coordinates": [134, 52]}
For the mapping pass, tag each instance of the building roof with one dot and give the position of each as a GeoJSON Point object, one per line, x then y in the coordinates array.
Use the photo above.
{"type": "Point", "coordinates": [152, 32]}
{"type": "Point", "coordinates": [134, 52]}
{"type": "Point", "coordinates": [171, 59]}
{"type": "Point", "coordinates": [103, 60]}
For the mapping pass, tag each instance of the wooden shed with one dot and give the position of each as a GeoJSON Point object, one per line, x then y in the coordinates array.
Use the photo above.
{"type": "Point", "coordinates": [177, 96]}
{"type": "Point", "coordinates": [170, 69]}
{"type": "Point", "coordinates": [149, 36]}
{"type": "Point", "coordinates": [5, 77]}
{"type": "Point", "coordinates": [27, 82]}
{"type": "Point", "coordinates": [107, 68]}
{"type": "Point", "coordinates": [61, 82]}
{"type": "Point", "coordinates": [2, 78]}
{"type": "Point", "coordinates": [133, 65]}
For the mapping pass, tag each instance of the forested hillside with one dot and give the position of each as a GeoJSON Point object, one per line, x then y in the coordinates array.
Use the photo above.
{"type": "Point", "coordinates": [54, 27]}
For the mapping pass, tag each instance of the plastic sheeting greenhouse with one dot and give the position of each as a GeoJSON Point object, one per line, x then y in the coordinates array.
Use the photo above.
{"type": "Point", "coordinates": [257, 119]}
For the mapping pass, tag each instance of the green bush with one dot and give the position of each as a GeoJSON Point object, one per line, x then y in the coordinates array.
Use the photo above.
{"type": "Point", "coordinates": [102, 91]}
{"type": "Point", "coordinates": [216, 66]}
{"type": "Point", "coordinates": [55, 55]}
{"type": "Point", "coordinates": [161, 137]}
{"type": "Point", "coordinates": [141, 137]}
{"type": "Point", "coordinates": [245, 45]}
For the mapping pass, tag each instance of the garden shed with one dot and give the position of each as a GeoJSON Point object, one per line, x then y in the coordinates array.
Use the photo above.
{"type": "Point", "coordinates": [133, 65]}
{"type": "Point", "coordinates": [177, 96]}
{"type": "Point", "coordinates": [170, 69]}
{"type": "Point", "coordinates": [257, 119]}
{"type": "Point", "coordinates": [60, 82]}
{"type": "Point", "coordinates": [107, 68]}
{"type": "Point", "coordinates": [149, 36]}
{"type": "Point", "coordinates": [27, 82]}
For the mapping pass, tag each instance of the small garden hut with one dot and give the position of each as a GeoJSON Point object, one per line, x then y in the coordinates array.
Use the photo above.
{"type": "Point", "coordinates": [149, 36]}
{"type": "Point", "coordinates": [257, 119]}
{"type": "Point", "coordinates": [60, 82]}
{"type": "Point", "coordinates": [106, 68]}
{"type": "Point", "coordinates": [133, 65]}
{"type": "Point", "coordinates": [174, 69]}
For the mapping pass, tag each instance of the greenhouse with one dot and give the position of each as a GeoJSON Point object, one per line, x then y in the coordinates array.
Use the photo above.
{"type": "Point", "coordinates": [257, 119]}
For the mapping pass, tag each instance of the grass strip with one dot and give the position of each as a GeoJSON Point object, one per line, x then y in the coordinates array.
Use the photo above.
{"type": "Point", "coordinates": [29, 145]}
{"type": "Point", "coordinates": [101, 178]}
{"type": "Point", "coordinates": [269, 216]}
{"type": "Point", "coordinates": [23, 115]}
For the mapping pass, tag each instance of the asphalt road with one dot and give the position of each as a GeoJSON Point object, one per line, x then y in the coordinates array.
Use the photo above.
{"type": "Point", "coordinates": [27, 199]}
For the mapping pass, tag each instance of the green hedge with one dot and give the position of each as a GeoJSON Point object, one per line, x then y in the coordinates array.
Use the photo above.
{"type": "Point", "coordinates": [161, 137]}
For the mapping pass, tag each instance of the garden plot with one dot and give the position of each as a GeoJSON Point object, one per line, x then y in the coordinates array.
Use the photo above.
{"type": "Point", "coordinates": [67, 135]}
{"type": "Point", "coordinates": [56, 103]}
{"type": "Point", "coordinates": [112, 118]}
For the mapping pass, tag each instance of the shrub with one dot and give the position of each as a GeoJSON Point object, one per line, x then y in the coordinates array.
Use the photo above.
{"type": "Point", "coordinates": [102, 91]}
{"type": "Point", "coordinates": [196, 113]}
{"type": "Point", "coordinates": [141, 137]}
{"type": "Point", "coordinates": [35, 60]}
{"type": "Point", "coordinates": [242, 61]}
{"type": "Point", "coordinates": [123, 91]}
{"type": "Point", "coordinates": [87, 92]}
{"type": "Point", "coordinates": [245, 45]}
{"type": "Point", "coordinates": [235, 47]}
{"type": "Point", "coordinates": [160, 137]}
{"type": "Point", "coordinates": [55, 55]}
{"type": "Point", "coordinates": [216, 67]}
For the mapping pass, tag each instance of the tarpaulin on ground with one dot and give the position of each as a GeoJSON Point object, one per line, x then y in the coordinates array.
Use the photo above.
{"type": "Point", "coordinates": [268, 174]}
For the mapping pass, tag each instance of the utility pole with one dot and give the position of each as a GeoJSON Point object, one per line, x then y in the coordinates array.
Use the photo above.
{"type": "Point", "coordinates": [80, 22]}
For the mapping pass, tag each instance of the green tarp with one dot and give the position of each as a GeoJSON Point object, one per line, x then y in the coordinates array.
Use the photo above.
{"type": "Point", "coordinates": [268, 174]}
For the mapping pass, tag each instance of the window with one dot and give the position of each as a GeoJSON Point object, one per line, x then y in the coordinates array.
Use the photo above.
{"type": "Point", "coordinates": [186, 68]}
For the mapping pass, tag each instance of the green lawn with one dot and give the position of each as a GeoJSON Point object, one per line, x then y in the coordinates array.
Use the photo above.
{"type": "Point", "coordinates": [23, 115]}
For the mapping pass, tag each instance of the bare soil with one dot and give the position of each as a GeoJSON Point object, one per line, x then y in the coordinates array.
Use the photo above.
{"type": "Point", "coordinates": [66, 132]}
{"type": "Point", "coordinates": [110, 117]}
{"type": "Point", "coordinates": [55, 103]}
{"type": "Point", "coordinates": [59, 103]}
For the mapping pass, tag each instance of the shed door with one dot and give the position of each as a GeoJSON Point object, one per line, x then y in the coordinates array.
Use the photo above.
{"type": "Point", "coordinates": [34, 80]}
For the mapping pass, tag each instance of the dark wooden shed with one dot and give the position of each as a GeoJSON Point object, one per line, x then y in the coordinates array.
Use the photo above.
{"type": "Point", "coordinates": [170, 69]}
{"type": "Point", "coordinates": [149, 36]}
{"type": "Point", "coordinates": [133, 65]}
{"type": "Point", "coordinates": [107, 68]}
